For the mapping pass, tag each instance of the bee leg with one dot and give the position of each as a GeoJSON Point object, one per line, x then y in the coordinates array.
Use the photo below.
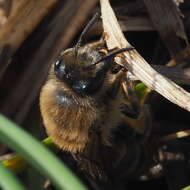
{"type": "Point", "coordinates": [148, 122]}
{"type": "Point", "coordinates": [114, 89]}
{"type": "Point", "coordinates": [134, 109]}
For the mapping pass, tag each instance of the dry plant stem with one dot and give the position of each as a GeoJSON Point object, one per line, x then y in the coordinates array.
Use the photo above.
{"type": "Point", "coordinates": [130, 8]}
{"type": "Point", "coordinates": [127, 25]}
{"type": "Point", "coordinates": [185, 54]}
{"type": "Point", "coordinates": [177, 2]}
{"type": "Point", "coordinates": [176, 74]}
{"type": "Point", "coordinates": [24, 17]}
{"type": "Point", "coordinates": [78, 20]}
{"type": "Point", "coordinates": [137, 65]}
{"type": "Point", "coordinates": [177, 135]}
{"type": "Point", "coordinates": [5, 7]}
{"type": "Point", "coordinates": [136, 24]}
{"type": "Point", "coordinates": [4, 59]}
{"type": "Point", "coordinates": [170, 28]}
{"type": "Point", "coordinates": [7, 156]}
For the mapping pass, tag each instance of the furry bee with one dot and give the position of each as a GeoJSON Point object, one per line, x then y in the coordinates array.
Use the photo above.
{"type": "Point", "coordinates": [81, 109]}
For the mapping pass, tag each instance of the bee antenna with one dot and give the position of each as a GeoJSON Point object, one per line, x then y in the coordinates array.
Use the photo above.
{"type": "Point", "coordinates": [87, 27]}
{"type": "Point", "coordinates": [112, 54]}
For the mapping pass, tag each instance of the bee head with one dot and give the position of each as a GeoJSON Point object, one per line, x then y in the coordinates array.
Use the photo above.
{"type": "Point", "coordinates": [85, 73]}
{"type": "Point", "coordinates": [84, 68]}
{"type": "Point", "coordinates": [81, 73]}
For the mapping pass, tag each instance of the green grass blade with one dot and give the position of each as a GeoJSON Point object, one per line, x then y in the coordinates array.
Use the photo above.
{"type": "Point", "coordinates": [186, 188]}
{"type": "Point", "coordinates": [8, 181]}
{"type": "Point", "coordinates": [37, 155]}
{"type": "Point", "coordinates": [17, 163]}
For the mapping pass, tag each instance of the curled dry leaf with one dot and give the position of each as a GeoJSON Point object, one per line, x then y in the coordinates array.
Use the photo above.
{"type": "Point", "coordinates": [137, 65]}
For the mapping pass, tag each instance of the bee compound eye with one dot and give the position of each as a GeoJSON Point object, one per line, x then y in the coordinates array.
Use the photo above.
{"type": "Point", "coordinates": [57, 65]}
{"type": "Point", "coordinates": [59, 68]}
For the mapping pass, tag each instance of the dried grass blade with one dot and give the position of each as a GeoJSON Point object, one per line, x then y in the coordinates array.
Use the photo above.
{"type": "Point", "coordinates": [137, 65]}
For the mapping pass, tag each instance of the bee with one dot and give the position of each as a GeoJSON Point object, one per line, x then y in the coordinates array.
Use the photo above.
{"type": "Point", "coordinates": [82, 109]}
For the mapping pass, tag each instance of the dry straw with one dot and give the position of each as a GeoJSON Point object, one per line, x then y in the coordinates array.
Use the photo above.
{"type": "Point", "coordinates": [137, 65]}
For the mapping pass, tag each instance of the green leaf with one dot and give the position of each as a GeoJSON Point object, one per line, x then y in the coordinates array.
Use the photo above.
{"type": "Point", "coordinates": [141, 90]}
{"type": "Point", "coordinates": [38, 156]}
